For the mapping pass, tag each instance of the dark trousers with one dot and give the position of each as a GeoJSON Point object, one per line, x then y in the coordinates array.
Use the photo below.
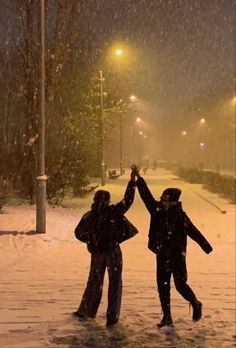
{"type": "Point", "coordinates": [177, 267]}
{"type": "Point", "coordinates": [112, 260]}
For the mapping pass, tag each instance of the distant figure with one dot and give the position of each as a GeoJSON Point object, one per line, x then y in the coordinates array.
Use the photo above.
{"type": "Point", "coordinates": [103, 228]}
{"type": "Point", "coordinates": [146, 166]}
{"type": "Point", "coordinates": [145, 170]}
{"type": "Point", "coordinates": [154, 165]}
{"type": "Point", "coordinates": [169, 228]}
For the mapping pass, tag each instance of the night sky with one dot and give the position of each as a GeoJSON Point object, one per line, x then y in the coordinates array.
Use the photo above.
{"type": "Point", "coordinates": [183, 47]}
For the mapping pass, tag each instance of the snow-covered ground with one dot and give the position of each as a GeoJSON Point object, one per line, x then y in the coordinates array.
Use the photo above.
{"type": "Point", "coordinates": [43, 277]}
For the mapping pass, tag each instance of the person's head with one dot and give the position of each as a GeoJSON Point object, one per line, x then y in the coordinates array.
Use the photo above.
{"type": "Point", "coordinates": [170, 197]}
{"type": "Point", "coordinates": [101, 198]}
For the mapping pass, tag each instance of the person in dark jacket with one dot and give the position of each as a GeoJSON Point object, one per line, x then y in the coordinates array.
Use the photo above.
{"type": "Point", "coordinates": [103, 228]}
{"type": "Point", "coordinates": [169, 228]}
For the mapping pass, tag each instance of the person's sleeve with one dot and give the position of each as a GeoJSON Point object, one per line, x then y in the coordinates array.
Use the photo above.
{"type": "Point", "coordinates": [126, 230]}
{"type": "Point", "coordinates": [196, 235]}
{"type": "Point", "coordinates": [127, 201]}
{"type": "Point", "coordinates": [81, 230]}
{"type": "Point", "coordinates": [146, 195]}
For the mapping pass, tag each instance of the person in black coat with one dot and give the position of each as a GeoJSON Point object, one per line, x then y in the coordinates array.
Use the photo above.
{"type": "Point", "coordinates": [169, 228]}
{"type": "Point", "coordinates": [103, 228]}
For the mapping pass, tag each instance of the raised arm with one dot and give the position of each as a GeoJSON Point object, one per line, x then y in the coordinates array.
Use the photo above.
{"type": "Point", "coordinates": [125, 204]}
{"type": "Point", "coordinates": [144, 192]}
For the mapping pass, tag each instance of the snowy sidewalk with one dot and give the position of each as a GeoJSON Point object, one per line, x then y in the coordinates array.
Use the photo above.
{"type": "Point", "coordinates": [43, 278]}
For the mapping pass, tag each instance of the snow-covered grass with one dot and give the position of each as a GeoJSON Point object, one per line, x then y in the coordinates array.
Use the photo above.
{"type": "Point", "coordinates": [43, 277]}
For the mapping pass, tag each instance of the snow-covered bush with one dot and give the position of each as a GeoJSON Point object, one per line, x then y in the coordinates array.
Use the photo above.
{"type": "Point", "coordinates": [224, 185]}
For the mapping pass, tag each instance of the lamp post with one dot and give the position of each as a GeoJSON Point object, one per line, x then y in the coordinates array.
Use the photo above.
{"type": "Point", "coordinates": [41, 178]}
{"type": "Point", "coordinates": [121, 143]}
{"type": "Point", "coordinates": [102, 129]}
{"type": "Point", "coordinates": [118, 52]}
{"type": "Point", "coordinates": [132, 98]}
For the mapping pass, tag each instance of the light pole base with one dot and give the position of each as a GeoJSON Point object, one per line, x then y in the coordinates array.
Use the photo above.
{"type": "Point", "coordinates": [121, 168]}
{"type": "Point", "coordinates": [41, 204]}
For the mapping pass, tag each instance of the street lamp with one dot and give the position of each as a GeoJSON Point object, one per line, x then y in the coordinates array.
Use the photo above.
{"type": "Point", "coordinates": [133, 98]}
{"type": "Point", "coordinates": [202, 145]}
{"type": "Point", "coordinates": [121, 143]}
{"type": "Point", "coordinates": [119, 52]}
{"type": "Point", "coordinates": [101, 79]}
{"type": "Point", "coordinates": [41, 178]}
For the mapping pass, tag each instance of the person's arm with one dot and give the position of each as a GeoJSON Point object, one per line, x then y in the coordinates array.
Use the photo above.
{"type": "Point", "coordinates": [196, 235]}
{"type": "Point", "coordinates": [144, 192]}
{"type": "Point", "coordinates": [125, 204]}
{"type": "Point", "coordinates": [81, 230]}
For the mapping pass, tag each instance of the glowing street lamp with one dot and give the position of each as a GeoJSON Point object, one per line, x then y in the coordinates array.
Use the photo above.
{"type": "Point", "coordinates": [119, 52]}
{"type": "Point", "coordinates": [202, 121]}
{"type": "Point", "coordinates": [202, 145]}
{"type": "Point", "coordinates": [133, 98]}
{"type": "Point", "coordinates": [103, 171]}
{"type": "Point", "coordinates": [184, 133]}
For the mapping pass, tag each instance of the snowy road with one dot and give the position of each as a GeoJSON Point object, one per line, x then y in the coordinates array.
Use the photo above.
{"type": "Point", "coordinates": [43, 277]}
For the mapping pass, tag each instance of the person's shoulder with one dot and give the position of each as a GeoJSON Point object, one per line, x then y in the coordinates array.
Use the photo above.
{"type": "Point", "coordinates": [184, 215]}
{"type": "Point", "coordinates": [158, 206]}
{"type": "Point", "coordinates": [112, 207]}
{"type": "Point", "coordinates": [87, 215]}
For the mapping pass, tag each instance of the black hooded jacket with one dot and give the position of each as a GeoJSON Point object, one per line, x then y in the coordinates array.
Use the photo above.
{"type": "Point", "coordinates": [104, 229]}
{"type": "Point", "coordinates": [169, 228]}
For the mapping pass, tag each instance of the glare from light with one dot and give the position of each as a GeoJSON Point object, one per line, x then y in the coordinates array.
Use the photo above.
{"type": "Point", "coordinates": [119, 52]}
{"type": "Point", "coordinates": [202, 145]}
{"type": "Point", "coordinates": [133, 98]}
{"type": "Point", "coordinates": [202, 120]}
{"type": "Point", "coordinates": [184, 133]}
{"type": "Point", "coordinates": [138, 119]}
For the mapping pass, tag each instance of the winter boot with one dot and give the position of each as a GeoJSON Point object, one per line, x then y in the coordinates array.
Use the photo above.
{"type": "Point", "coordinates": [79, 315]}
{"type": "Point", "coordinates": [111, 322]}
{"type": "Point", "coordinates": [165, 321]}
{"type": "Point", "coordinates": [197, 310]}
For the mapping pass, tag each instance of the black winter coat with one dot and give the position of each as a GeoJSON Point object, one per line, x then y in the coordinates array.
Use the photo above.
{"type": "Point", "coordinates": [169, 229]}
{"type": "Point", "coordinates": [102, 235]}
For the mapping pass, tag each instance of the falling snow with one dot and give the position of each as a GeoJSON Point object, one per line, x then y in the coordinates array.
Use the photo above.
{"type": "Point", "coordinates": [146, 82]}
{"type": "Point", "coordinates": [43, 277]}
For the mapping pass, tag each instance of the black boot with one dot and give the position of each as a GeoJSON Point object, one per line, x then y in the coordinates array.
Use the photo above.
{"type": "Point", "coordinates": [111, 322]}
{"type": "Point", "coordinates": [197, 310]}
{"type": "Point", "coordinates": [79, 315]}
{"type": "Point", "coordinates": [165, 321]}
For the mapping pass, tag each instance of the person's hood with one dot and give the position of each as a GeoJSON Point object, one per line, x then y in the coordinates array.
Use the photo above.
{"type": "Point", "coordinates": [171, 194]}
